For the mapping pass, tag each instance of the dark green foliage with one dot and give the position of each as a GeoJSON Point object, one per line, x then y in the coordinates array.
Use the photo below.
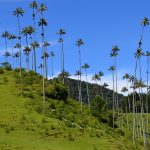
{"type": "Point", "coordinates": [71, 137]}
{"type": "Point", "coordinates": [5, 79]}
{"type": "Point", "coordinates": [7, 66]}
{"type": "Point", "coordinates": [1, 71]}
{"type": "Point", "coordinates": [98, 106]}
{"type": "Point", "coordinates": [93, 88]}
{"type": "Point", "coordinates": [57, 91]}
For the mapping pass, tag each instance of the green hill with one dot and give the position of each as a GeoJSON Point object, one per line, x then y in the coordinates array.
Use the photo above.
{"type": "Point", "coordinates": [65, 127]}
{"type": "Point", "coordinates": [93, 90]}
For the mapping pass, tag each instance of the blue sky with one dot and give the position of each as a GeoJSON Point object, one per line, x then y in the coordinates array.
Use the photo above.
{"type": "Point", "coordinates": [100, 23]}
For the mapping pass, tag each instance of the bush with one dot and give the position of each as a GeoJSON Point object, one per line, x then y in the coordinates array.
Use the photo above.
{"type": "Point", "coordinates": [5, 79]}
{"type": "Point", "coordinates": [57, 91]}
{"type": "Point", "coordinates": [71, 137]}
{"type": "Point", "coordinates": [1, 70]}
{"type": "Point", "coordinates": [97, 106]}
{"type": "Point", "coordinates": [7, 66]}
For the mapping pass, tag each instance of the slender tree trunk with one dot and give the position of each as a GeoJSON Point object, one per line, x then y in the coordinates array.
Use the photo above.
{"type": "Point", "coordinates": [34, 59]}
{"type": "Point", "coordinates": [34, 24]}
{"type": "Point", "coordinates": [113, 100]}
{"type": "Point", "coordinates": [20, 62]}
{"type": "Point", "coordinates": [142, 107]}
{"type": "Point", "coordinates": [52, 67]}
{"type": "Point", "coordinates": [133, 104]}
{"type": "Point", "coordinates": [127, 118]}
{"type": "Point", "coordinates": [12, 54]}
{"type": "Point", "coordinates": [80, 95]}
{"type": "Point", "coordinates": [147, 96]}
{"type": "Point", "coordinates": [6, 49]}
{"type": "Point", "coordinates": [63, 70]}
{"type": "Point", "coordinates": [43, 53]}
{"type": "Point", "coordinates": [87, 89]}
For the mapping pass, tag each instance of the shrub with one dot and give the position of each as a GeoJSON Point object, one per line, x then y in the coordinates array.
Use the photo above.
{"type": "Point", "coordinates": [7, 130]}
{"type": "Point", "coordinates": [5, 79]}
{"type": "Point", "coordinates": [71, 137]}
{"type": "Point", "coordinates": [1, 70]}
{"type": "Point", "coordinates": [97, 106]}
{"type": "Point", "coordinates": [7, 66]}
{"type": "Point", "coordinates": [44, 120]}
{"type": "Point", "coordinates": [57, 91]}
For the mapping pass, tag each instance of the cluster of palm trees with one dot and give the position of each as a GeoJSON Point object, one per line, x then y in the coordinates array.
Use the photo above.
{"type": "Point", "coordinates": [140, 104]}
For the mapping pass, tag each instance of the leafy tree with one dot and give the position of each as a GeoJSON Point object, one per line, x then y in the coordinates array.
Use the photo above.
{"type": "Point", "coordinates": [57, 91]}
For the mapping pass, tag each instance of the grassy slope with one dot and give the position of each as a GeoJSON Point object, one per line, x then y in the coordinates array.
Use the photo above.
{"type": "Point", "coordinates": [23, 129]}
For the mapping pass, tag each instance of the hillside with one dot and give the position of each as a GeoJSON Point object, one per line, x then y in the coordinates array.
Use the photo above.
{"type": "Point", "coordinates": [24, 127]}
{"type": "Point", "coordinates": [93, 90]}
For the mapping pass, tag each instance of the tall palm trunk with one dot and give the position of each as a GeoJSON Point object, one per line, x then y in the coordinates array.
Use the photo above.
{"type": "Point", "coordinates": [12, 53]}
{"type": "Point", "coordinates": [113, 78]}
{"type": "Point", "coordinates": [52, 65]}
{"type": "Point", "coordinates": [133, 104]}
{"type": "Point", "coordinates": [20, 61]}
{"type": "Point", "coordinates": [62, 60]}
{"type": "Point", "coordinates": [80, 93]}
{"type": "Point", "coordinates": [147, 96]}
{"type": "Point", "coordinates": [6, 48]}
{"type": "Point", "coordinates": [142, 106]}
{"type": "Point", "coordinates": [87, 89]}
{"type": "Point", "coordinates": [43, 53]}
{"type": "Point", "coordinates": [34, 49]}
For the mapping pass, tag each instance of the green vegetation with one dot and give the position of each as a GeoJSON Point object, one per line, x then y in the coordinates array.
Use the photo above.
{"type": "Point", "coordinates": [23, 125]}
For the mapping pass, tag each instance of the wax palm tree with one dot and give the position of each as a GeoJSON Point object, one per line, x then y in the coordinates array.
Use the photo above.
{"type": "Point", "coordinates": [31, 30]}
{"type": "Point", "coordinates": [19, 12]}
{"type": "Point", "coordinates": [144, 23]}
{"type": "Point", "coordinates": [52, 54]}
{"type": "Point", "coordinates": [101, 74]}
{"type": "Point", "coordinates": [147, 88]}
{"type": "Point", "coordinates": [5, 35]}
{"type": "Point", "coordinates": [62, 32]}
{"type": "Point", "coordinates": [34, 7]}
{"type": "Point", "coordinates": [105, 85]}
{"type": "Point", "coordinates": [124, 90]}
{"type": "Point", "coordinates": [25, 32]}
{"type": "Point", "coordinates": [42, 8]}
{"type": "Point", "coordinates": [7, 54]}
{"type": "Point", "coordinates": [35, 45]}
{"type": "Point", "coordinates": [12, 37]}
{"type": "Point", "coordinates": [96, 78]}
{"type": "Point", "coordinates": [16, 55]}
{"type": "Point", "coordinates": [139, 53]}
{"type": "Point", "coordinates": [112, 69]}
{"type": "Point", "coordinates": [85, 67]}
{"type": "Point", "coordinates": [78, 74]}
{"type": "Point", "coordinates": [79, 43]}
{"type": "Point", "coordinates": [42, 23]}
{"type": "Point", "coordinates": [114, 53]}
{"type": "Point", "coordinates": [40, 67]}
{"type": "Point", "coordinates": [126, 77]}
{"type": "Point", "coordinates": [46, 44]}
{"type": "Point", "coordinates": [46, 56]}
{"type": "Point", "coordinates": [27, 52]}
